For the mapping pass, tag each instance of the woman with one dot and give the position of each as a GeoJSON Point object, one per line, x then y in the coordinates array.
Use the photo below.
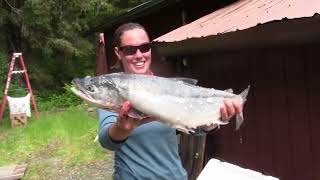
{"type": "Point", "coordinates": [143, 150]}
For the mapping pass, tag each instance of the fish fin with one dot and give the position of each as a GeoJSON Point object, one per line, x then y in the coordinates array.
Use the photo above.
{"type": "Point", "coordinates": [186, 131]}
{"type": "Point", "coordinates": [182, 128]}
{"type": "Point", "coordinates": [136, 114]}
{"type": "Point", "coordinates": [229, 90]}
{"type": "Point", "coordinates": [186, 80]}
{"type": "Point", "coordinates": [239, 120]}
{"type": "Point", "coordinates": [239, 116]}
{"type": "Point", "coordinates": [244, 94]}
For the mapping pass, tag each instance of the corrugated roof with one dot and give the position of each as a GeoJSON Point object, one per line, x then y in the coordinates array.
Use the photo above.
{"type": "Point", "coordinates": [242, 15]}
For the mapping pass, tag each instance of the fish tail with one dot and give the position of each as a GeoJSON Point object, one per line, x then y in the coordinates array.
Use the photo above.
{"type": "Point", "coordinates": [244, 94]}
{"type": "Point", "coordinates": [239, 117]}
{"type": "Point", "coordinates": [239, 120]}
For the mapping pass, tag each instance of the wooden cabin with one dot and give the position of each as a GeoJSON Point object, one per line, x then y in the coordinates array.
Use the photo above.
{"type": "Point", "coordinates": [271, 46]}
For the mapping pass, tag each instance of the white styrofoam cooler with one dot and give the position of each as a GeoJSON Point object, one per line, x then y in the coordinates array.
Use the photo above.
{"type": "Point", "coordinates": [219, 170]}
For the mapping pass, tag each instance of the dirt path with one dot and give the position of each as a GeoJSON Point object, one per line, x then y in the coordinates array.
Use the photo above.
{"type": "Point", "coordinates": [53, 169]}
{"type": "Point", "coordinates": [44, 165]}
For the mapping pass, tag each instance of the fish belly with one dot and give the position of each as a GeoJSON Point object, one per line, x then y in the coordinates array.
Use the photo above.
{"type": "Point", "coordinates": [183, 113]}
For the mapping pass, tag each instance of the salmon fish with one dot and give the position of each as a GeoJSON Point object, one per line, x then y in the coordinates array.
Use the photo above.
{"type": "Point", "coordinates": [177, 102]}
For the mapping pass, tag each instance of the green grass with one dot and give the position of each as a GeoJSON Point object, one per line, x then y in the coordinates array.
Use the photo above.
{"type": "Point", "coordinates": [66, 135]}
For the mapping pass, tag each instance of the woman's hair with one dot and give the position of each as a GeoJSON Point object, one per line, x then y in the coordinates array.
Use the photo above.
{"type": "Point", "coordinates": [125, 27]}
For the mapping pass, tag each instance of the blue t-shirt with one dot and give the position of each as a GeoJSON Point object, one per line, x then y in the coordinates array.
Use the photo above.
{"type": "Point", "coordinates": [150, 152]}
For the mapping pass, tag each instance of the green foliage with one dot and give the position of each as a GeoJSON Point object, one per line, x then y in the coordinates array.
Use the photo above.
{"type": "Point", "coordinates": [3, 16]}
{"type": "Point", "coordinates": [56, 26]}
{"type": "Point", "coordinates": [51, 36]}
{"type": "Point", "coordinates": [52, 102]}
{"type": "Point", "coordinates": [126, 3]}
{"type": "Point", "coordinates": [3, 70]}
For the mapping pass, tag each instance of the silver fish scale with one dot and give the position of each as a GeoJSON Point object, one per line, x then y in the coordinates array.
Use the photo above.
{"type": "Point", "coordinates": [181, 113]}
{"type": "Point", "coordinates": [179, 104]}
{"type": "Point", "coordinates": [167, 86]}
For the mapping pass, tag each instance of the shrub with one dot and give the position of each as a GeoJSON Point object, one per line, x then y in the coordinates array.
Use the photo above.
{"type": "Point", "coordinates": [4, 67]}
{"type": "Point", "coordinates": [54, 101]}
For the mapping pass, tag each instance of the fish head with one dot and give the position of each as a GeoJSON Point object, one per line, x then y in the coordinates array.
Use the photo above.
{"type": "Point", "coordinates": [102, 93]}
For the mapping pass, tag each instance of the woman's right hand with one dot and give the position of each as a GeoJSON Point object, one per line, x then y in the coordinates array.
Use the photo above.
{"type": "Point", "coordinates": [124, 122]}
{"type": "Point", "coordinates": [124, 125]}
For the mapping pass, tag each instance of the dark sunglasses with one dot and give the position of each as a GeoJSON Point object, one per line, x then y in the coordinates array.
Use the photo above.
{"type": "Point", "coordinates": [130, 50]}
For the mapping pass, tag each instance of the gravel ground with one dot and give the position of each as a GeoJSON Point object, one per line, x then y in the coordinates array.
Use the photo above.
{"type": "Point", "coordinates": [53, 169]}
{"type": "Point", "coordinates": [43, 165]}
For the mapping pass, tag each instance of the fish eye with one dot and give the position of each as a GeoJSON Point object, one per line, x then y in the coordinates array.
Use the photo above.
{"type": "Point", "coordinates": [90, 88]}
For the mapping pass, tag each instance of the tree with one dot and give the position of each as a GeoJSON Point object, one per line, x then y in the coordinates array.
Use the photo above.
{"type": "Point", "coordinates": [51, 32]}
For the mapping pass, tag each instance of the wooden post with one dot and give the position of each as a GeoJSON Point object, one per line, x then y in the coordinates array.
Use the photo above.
{"type": "Point", "coordinates": [192, 151]}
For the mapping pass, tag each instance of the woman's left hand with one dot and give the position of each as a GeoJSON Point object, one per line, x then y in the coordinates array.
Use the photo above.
{"type": "Point", "coordinates": [230, 108]}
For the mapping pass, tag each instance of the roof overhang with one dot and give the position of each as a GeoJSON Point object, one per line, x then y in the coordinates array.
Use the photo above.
{"type": "Point", "coordinates": [279, 33]}
{"type": "Point", "coordinates": [246, 23]}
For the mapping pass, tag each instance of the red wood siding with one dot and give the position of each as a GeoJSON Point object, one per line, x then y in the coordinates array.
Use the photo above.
{"type": "Point", "coordinates": [279, 135]}
{"type": "Point", "coordinates": [313, 90]}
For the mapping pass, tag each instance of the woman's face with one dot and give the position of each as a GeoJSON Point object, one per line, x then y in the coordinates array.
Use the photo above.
{"type": "Point", "coordinates": [134, 51]}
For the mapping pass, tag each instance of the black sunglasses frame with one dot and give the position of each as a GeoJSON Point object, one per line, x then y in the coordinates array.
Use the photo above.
{"type": "Point", "coordinates": [131, 50]}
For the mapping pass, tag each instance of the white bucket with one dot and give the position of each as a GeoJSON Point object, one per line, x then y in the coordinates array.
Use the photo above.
{"type": "Point", "coordinates": [19, 105]}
